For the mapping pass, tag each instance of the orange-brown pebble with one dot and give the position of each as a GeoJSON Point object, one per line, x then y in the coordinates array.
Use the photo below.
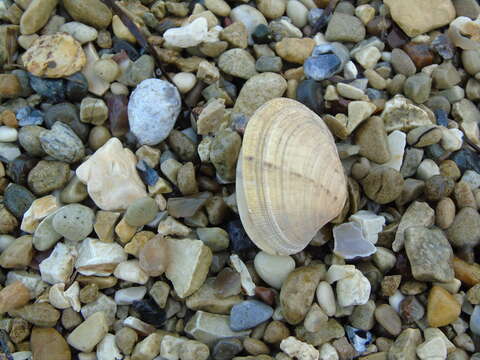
{"type": "Point", "coordinates": [467, 273]}
{"type": "Point", "coordinates": [49, 344]}
{"type": "Point", "coordinates": [13, 296]}
{"type": "Point", "coordinates": [8, 118]}
{"type": "Point", "coordinates": [442, 307]}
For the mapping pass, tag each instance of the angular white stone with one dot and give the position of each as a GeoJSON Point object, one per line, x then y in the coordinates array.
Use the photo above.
{"type": "Point", "coordinates": [273, 269]}
{"type": "Point", "coordinates": [370, 223]}
{"type": "Point", "coordinates": [111, 177]}
{"type": "Point", "coordinates": [337, 272]}
{"type": "Point", "coordinates": [353, 290]}
{"type": "Point", "coordinates": [104, 304]}
{"type": "Point", "coordinates": [328, 352]}
{"type": "Point", "coordinates": [452, 139]}
{"type": "Point", "coordinates": [246, 280]}
{"type": "Point", "coordinates": [350, 242]}
{"type": "Point", "coordinates": [396, 144]}
{"type": "Point", "coordinates": [427, 169]}
{"type": "Point", "coordinates": [129, 295]}
{"type": "Point", "coordinates": [298, 349]}
{"type": "Point", "coordinates": [368, 57]}
{"type": "Point", "coordinates": [433, 348]}
{"type": "Point", "coordinates": [107, 349]}
{"type": "Point", "coordinates": [153, 109]}
{"type": "Point", "coordinates": [189, 35]}
{"type": "Point", "coordinates": [131, 271]}
{"type": "Point", "coordinates": [58, 267]}
{"type": "Point", "coordinates": [189, 264]}
{"type": "Point", "coordinates": [89, 333]}
{"type": "Point", "coordinates": [350, 71]}
{"type": "Point", "coordinates": [170, 347]}
{"type": "Point", "coordinates": [39, 209]}
{"type": "Point", "coordinates": [99, 258]}
{"type": "Point", "coordinates": [430, 333]}
{"type": "Point", "coordinates": [73, 296]}
{"type": "Point", "coordinates": [56, 296]}
{"type": "Point", "coordinates": [33, 282]}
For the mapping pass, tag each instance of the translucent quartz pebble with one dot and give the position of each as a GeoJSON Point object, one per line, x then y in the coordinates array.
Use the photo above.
{"type": "Point", "coordinates": [350, 243]}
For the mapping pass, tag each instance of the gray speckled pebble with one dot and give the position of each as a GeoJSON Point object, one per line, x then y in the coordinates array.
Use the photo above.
{"type": "Point", "coordinates": [249, 314]}
{"type": "Point", "coordinates": [141, 211]}
{"type": "Point", "coordinates": [62, 143]}
{"type": "Point", "coordinates": [74, 221]}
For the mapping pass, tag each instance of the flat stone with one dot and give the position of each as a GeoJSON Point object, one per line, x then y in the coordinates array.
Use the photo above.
{"type": "Point", "coordinates": [54, 56]}
{"type": "Point", "coordinates": [48, 176]}
{"type": "Point", "coordinates": [18, 199]}
{"type": "Point", "coordinates": [248, 314]}
{"type": "Point", "coordinates": [18, 254]}
{"type": "Point", "coordinates": [74, 221]}
{"type": "Point", "coordinates": [90, 12]}
{"type": "Point", "coordinates": [350, 242]}
{"type": "Point", "coordinates": [422, 19]}
{"type": "Point", "coordinates": [98, 258]}
{"type": "Point", "coordinates": [372, 139]}
{"type": "Point", "coordinates": [345, 28]}
{"type": "Point", "coordinates": [207, 298]}
{"type": "Point", "coordinates": [238, 63]}
{"type": "Point", "coordinates": [189, 264]}
{"type": "Point", "coordinates": [80, 32]}
{"type": "Point", "coordinates": [112, 187]}
{"type": "Point", "coordinates": [62, 143]}
{"type": "Point", "coordinates": [298, 291]}
{"type": "Point", "coordinates": [208, 328]}
{"type": "Point", "coordinates": [295, 50]}
{"type": "Point", "coordinates": [89, 333]}
{"type": "Point", "coordinates": [399, 115]}
{"type": "Point", "coordinates": [389, 319]}
{"type": "Point", "coordinates": [465, 230]}
{"type": "Point", "coordinates": [49, 344]}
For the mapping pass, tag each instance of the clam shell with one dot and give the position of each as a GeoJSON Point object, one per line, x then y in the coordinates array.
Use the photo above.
{"type": "Point", "coordinates": [290, 181]}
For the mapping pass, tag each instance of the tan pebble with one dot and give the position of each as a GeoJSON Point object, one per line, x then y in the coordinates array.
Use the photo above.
{"type": "Point", "coordinates": [255, 346]}
{"type": "Point", "coordinates": [88, 334]}
{"type": "Point", "coordinates": [138, 242]}
{"type": "Point", "coordinates": [9, 86]}
{"type": "Point", "coordinates": [13, 296]}
{"type": "Point", "coordinates": [106, 69]}
{"type": "Point", "coordinates": [54, 56]}
{"type": "Point", "coordinates": [36, 15]}
{"type": "Point", "coordinates": [121, 31]}
{"type": "Point", "coordinates": [275, 332]}
{"type": "Point", "coordinates": [98, 136]}
{"type": "Point", "coordinates": [295, 50]}
{"type": "Point", "coordinates": [102, 282]}
{"type": "Point", "coordinates": [464, 195]}
{"type": "Point", "coordinates": [154, 256]}
{"type": "Point", "coordinates": [49, 344]}
{"type": "Point", "coordinates": [18, 254]}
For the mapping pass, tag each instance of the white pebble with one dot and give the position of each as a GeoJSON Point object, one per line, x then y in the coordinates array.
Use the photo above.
{"type": "Point", "coordinates": [80, 32]}
{"type": "Point", "coordinates": [452, 139]}
{"type": "Point", "coordinates": [326, 298]}
{"type": "Point", "coordinates": [395, 300]}
{"type": "Point", "coordinates": [58, 267]}
{"type": "Point", "coordinates": [298, 349]}
{"type": "Point", "coordinates": [432, 349]}
{"type": "Point", "coordinates": [273, 269]}
{"type": "Point", "coordinates": [338, 272]}
{"type": "Point", "coordinates": [368, 57]}
{"type": "Point", "coordinates": [98, 258]}
{"type": "Point", "coordinates": [131, 271]}
{"type": "Point", "coordinates": [371, 224]}
{"type": "Point", "coordinates": [328, 352]}
{"type": "Point", "coordinates": [396, 144]}
{"type": "Point", "coordinates": [297, 12]}
{"type": "Point", "coordinates": [8, 134]}
{"type": "Point", "coordinates": [189, 35]}
{"type": "Point", "coordinates": [107, 349]}
{"type": "Point", "coordinates": [129, 295]}
{"type": "Point", "coordinates": [350, 71]}
{"type": "Point", "coordinates": [353, 290]}
{"type": "Point", "coordinates": [427, 169]}
{"type": "Point", "coordinates": [184, 81]}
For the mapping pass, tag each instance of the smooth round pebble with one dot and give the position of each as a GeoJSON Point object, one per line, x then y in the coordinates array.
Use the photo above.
{"type": "Point", "coordinates": [74, 221]}
{"type": "Point", "coordinates": [8, 134]}
{"type": "Point", "coordinates": [184, 81]}
{"type": "Point", "coordinates": [106, 69]}
{"type": "Point", "coordinates": [273, 269]}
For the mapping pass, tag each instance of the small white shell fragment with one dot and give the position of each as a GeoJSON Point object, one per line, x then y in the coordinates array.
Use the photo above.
{"type": "Point", "coordinates": [189, 35]}
{"type": "Point", "coordinates": [338, 272]}
{"type": "Point", "coordinates": [371, 224]}
{"type": "Point", "coordinates": [350, 242]}
{"type": "Point", "coordinates": [246, 280]}
{"type": "Point", "coordinates": [129, 295]}
{"type": "Point", "coordinates": [298, 349]}
{"type": "Point", "coordinates": [396, 144]}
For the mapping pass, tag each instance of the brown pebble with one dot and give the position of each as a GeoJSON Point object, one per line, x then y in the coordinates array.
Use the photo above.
{"type": "Point", "coordinates": [465, 272]}
{"type": "Point", "coordinates": [255, 346]}
{"type": "Point", "coordinates": [89, 293]}
{"type": "Point", "coordinates": [449, 168]}
{"type": "Point", "coordinates": [419, 53]}
{"type": "Point", "coordinates": [445, 213]}
{"type": "Point", "coordinates": [9, 86]}
{"type": "Point", "coordinates": [49, 344]}
{"type": "Point", "coordinates": [8, 118]}
{"type": "Point", "coordinates": [275, 332]}
{"type": "Point", "coordinates": [267, 295]}
{"type": "Point", "coordinates": [464, 195]}
{"type": "Point", "coordinates": [154, 256]}
{"type": "Point", "coordinates": [98, 136]}
{"type": "Point", "coordinates": [13, 296]}
{"type": "Point", "coordinates": [442, 308]}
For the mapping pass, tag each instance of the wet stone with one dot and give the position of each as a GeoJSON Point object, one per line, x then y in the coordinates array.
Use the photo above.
{"type": "Point", "coordinates": [18, 199]}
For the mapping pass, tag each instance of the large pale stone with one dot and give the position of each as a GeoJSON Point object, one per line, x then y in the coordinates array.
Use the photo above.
{"type": "Point", "coordinates": [49, 344]}
{"type": "Point", "coordinates": [89, 333]}
{"type": "Point", "coordinates": [189, 35]}
{"type": "Point", "coordinates": [416, 17]}
{"type": "Point", "coordinates": [99, 258]}
{"type": "Point", "coordinates": [58, 267]}
{"type": "Point", "coordinates": [189, 264]}
{"type": "Point", "coordinates": [54, 56]}
{"type": "Point", "coordinates": [111, 177]}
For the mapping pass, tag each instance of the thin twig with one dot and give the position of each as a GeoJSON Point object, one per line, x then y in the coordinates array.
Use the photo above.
{"type": "Point", "coordinates": [322, 20]}
{"type": "Point", "coordinates": [133, 28]}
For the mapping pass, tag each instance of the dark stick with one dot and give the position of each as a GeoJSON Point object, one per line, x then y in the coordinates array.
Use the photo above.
{"type": "Point", "coordinates": [142, 41]}
{"type": "Point", "coordinates": [322, 20]}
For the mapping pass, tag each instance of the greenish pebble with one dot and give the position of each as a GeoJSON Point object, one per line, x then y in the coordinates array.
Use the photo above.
{"type": "Point", "coordinates": [48, 176]}
{"type": "Point", "coordinates": [74, 192]}
{"type": "Point", "coordinates": [29, 139]}
{"type": "Point", "coordinates": [17, 199]}
{"type": "Point", "coordinates": [74, 221]}
{"type": "Point", "coordinates": [269, 63]}
{"type": "Point", "coordinates": [345, 28]}
{"type": "Point", "coordinates": [383, 185]}
{"type": "Point", "coordinates": [141, 211]}
{"type": "Point", "coordinates": [68, 114]}
{"type": "Point", "coordinates": [224, 153]}
{"type": "Point", "coordinates": [45, 235]}
{"type": "Point", "coordinates": [417, 87]}
{"type": "Point", "coordinates": [215, 238]}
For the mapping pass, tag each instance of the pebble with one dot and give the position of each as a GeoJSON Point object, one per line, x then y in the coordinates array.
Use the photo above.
{"type": "Point", "coordinates": [90, 12]}
{"type": "Point", "coordinates": [93, 111]}
{"type": "Point", "coordinates": [465, 229]}
{"type": "Point", "coordinates": [298, 291]}
{"type": "Point", "coordinates": [372, 139]}
{"type": "Point", "coordinates": [141, 211]}
{"type": "Point", "coordinates": [475, 320]}
{"type": "Point", "coordinates": [152, 124]}
{"type": "Point", "coordinates": [383, 185]}
{"type": "Point", "coordinates": [80, 32]}
{"type": "Point", "coordinates": [66, 113]}
{"type": "Point", "coordinates": [295, 50]}
{"type": "Point", "coordinates": [74, 221]}
{"type": "Point", "coordinates": [62, 143]}
{"type": "Point", "coordinates": [421, 21]}
{"type": "Point", "coordinates": [62, 50]}
{"type": "Point", "coordinates": [18, 254]}
{"type": "Point", "coordinates": [58, 267]}
{"type": "Point", "coordinates": [189, 35]}
{"type": "Point", "coordinates": [258, 90]}
{"type": "Point", "coordinates": [184, 81]}
{"type": "Point", "coordinates": [296, 348]}
{"type": "Point", "coordinates": [131, 271]}
{"type": "Point", "coordinates": [153, 256]}
{"type": "Point", "coordinates": [107, 188]}
{"type": "Point", "coordinates": [36, 15]}
{"type": "Point", "coordinates": [248, 314]}
{"type": "Point", "coordinates": [17, 199]}
{"type": "Point", "coordinates": [345, 28]}
{"type": "Point", "coordinates": [49, 344]}
{"type": "Point", "coordinates": [8, 134]}
{"type": "Point", "coordinates": [297, 12]}
{"type": "Point", "coordinates": [238, 63]}
{"type": "Point", "coordinates": [273, 269]}
{"type": "Point", "coordinates": [442, 307]}
{"type": "Point", "coordinates": [353, 290]}
{"type": "Point", "coordinates": [350, 242]}
{"type": "Point", "coordinates": [272, 9]}
{"type": "Point", "coordinates": [226, 349]}
{"type": "Point", "coordinates": [249, 16]}
{"type": "Point", "coordinates": [98, 258]}
{"type": "Point", "coordinates": [89, 333]}
{"type": "Point", "coordinates": [326, 298]}
{"type": "Point", "coordinates": [224, 152]}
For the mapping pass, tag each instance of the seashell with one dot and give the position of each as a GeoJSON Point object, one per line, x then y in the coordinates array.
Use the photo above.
{"type": "Point", "coordinates": [290, 181]}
